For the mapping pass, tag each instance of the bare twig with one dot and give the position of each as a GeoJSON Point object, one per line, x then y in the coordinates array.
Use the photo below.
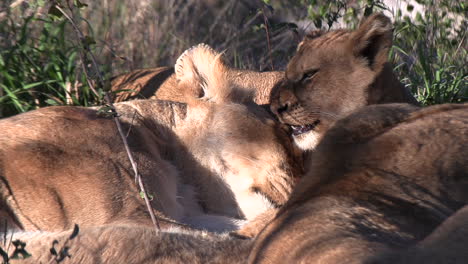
{"type": "Point", "coordinates": [131, 124]}
{"type": "Point", "coordinates": [115, 115]}
{"type": "Point", "coordinates": [134, 165]}
{"type": "Point", "coordinates": [267, 31]}
{"type": "Point", "coordinates": [82, 56]}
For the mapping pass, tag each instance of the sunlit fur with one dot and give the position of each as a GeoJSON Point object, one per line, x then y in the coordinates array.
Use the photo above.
{"type": "Point", "coordinates": [335, 73]}
{"type": "Point", "coordinates": [211, 163]}
{"type": "Point", "coordinates": [161, 83]}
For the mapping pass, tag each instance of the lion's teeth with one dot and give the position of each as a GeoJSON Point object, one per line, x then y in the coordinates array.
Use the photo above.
{"type": "Point", "coordinates": [297, 130]}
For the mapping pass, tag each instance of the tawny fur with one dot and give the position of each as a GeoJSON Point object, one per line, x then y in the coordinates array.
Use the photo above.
{"type": "Point", "coordinates": [445, 245]}
{"type": "Point", "coordinates": [334, 73]}
{"type": "Point", "coordinates": [133, 244]}
{"type": "Point", "coordinates": [355, 206]}
{"type": "Point", "coordinates": [161, 83]}
{"type": "Point", "coordinates": [209, 163]}
{"type": "Point", "coordinates": [381, 180]}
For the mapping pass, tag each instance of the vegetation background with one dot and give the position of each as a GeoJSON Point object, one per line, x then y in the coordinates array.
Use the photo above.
{"type": "Point", "coordinates": [42, 62]}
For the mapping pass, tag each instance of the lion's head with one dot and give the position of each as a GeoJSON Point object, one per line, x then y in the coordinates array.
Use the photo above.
{"type": "Point", "coordinates": [238, 139]}
{"type": "Point", "coordinates": [334, 73]}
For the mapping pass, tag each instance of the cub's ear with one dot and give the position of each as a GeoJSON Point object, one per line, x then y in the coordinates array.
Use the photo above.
{"type": "Point", "coordinates": [202, 74]}
{"type": "Point", "coordinates": [373, 40]}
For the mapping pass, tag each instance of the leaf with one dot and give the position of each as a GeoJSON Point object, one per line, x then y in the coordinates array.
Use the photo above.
{"type": "Point", "coordinates": [20, 251]}
{"type": "Point", "coordinates": [4, 255]}
{"type": "Point", "coordinates": [51, 102]}
{"type": "Point", "coordinates": [150, 197]}
{"type": "Point", "coordinates": [106, 111]}
{"type": "Point", "coordinates": [24, 254]}
{"type": "Point", "coordinates": [63, 254]}
{"type": "Point", "coordinates": [12, 95]}
{"type": "Point", "coordinates": [52, 249]}
{"type": "Point", "coordinates": [32, 85]}
{"type": "Point", "coordinates": [75, 232]}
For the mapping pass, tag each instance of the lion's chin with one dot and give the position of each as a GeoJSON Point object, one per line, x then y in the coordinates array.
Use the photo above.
{"type": "Point", "coordinates": [307, 140]}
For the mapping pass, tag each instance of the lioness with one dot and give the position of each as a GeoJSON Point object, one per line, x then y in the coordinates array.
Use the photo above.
{"type": "Point", "coordinates": [160, 83]}
{"type": "Point", "coordinates": [381, 179]}
{"type": "Point", "coordinates": [355, 206]}
{"type": "Point", "coordinates": [333, 74]}
{"type": "Point", "coordinates": [139, 244]}
{"type": "Point", "coordinates": [131, 244]}
{"type": "Point", "coordinates": [445, 245]}
{"type": "Point", "coordinates": [207, 163]}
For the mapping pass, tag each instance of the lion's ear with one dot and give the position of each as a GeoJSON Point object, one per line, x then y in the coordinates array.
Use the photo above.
{"type": "Point", "coordinates": [373, 40]}
{"type": "Point", "coordinates": [201, 72]}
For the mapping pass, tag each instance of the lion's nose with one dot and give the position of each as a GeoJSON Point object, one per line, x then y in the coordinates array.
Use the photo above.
{"type": "Point", "coordinates": [282, 108]}
{"type": "Point", "coordinates": [284, 99]}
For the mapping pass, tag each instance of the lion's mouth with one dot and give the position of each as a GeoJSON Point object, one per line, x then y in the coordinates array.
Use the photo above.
{"type": "Point", "coordinates": [297, 130]}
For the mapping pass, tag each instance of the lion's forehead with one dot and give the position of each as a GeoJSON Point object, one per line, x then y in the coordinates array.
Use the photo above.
{"type": "Point", "coordinates": [330, 39]}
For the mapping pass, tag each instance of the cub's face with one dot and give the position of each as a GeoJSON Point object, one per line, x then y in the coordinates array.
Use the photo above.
{"type": "Point", "coordinates": [331, 75]}
{"type": "Point", "coordinates": [324, 81]}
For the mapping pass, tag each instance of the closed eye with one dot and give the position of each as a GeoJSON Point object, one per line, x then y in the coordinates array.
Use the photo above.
{"type": "Point", "coordinates": [308, 75]}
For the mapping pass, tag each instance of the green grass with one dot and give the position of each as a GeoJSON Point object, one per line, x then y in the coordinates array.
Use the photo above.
{"type": "Point", "coordinates": [431, 58]}
{"type": "Point", "coordinates": [40, 68]}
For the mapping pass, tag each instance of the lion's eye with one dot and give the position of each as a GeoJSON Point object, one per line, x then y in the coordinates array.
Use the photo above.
{"type": "Point", "coordinates": [308, 75]}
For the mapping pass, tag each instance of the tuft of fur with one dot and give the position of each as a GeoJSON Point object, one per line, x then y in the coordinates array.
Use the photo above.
{"type": "Point", "coordinates": [202, 63]}
{"type": "Point", "coordinates": [161, 83]}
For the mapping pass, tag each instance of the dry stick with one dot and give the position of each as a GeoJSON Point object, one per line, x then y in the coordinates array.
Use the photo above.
{"type": "Point", "coordinates": [265, 20]}
{"type": "Point", "coordinates": [115, 116]}
{"type": "Point", "coordinates": [134, 165]}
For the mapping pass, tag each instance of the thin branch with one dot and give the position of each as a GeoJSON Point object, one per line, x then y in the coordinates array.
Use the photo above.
{"type": "Point", "coordinates": [134, 165]}
{"type": "Point", "coordinates": [82, 56]}
{"type": "Point", "coordinates": [267, 31]}
{"type": "Point", "coordinates": [115, 115]}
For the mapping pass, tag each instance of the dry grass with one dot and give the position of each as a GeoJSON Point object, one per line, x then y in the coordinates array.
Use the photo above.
{"type": "Point", "coordinates": [145, 33]}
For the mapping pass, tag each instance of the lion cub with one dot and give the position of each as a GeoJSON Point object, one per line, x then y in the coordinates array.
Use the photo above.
{"type": "Point", "coordinates": [334, 73]}
{"type": "Point", "coordinates": [208, 164]}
